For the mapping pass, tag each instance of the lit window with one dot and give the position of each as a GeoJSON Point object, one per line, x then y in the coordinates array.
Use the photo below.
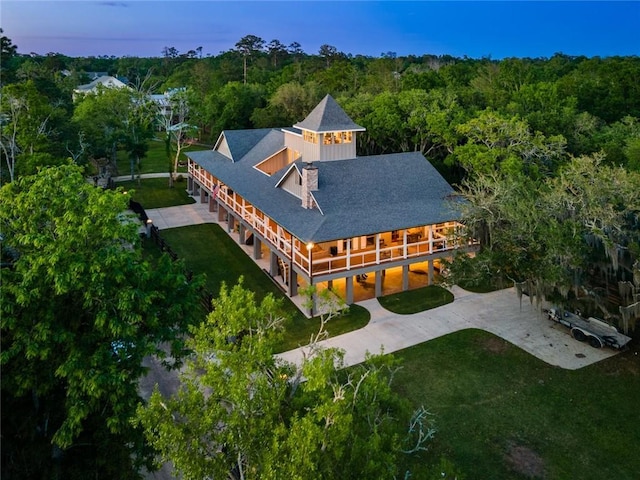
{"type": "Point", "coordinates": [327, 138]}
{"type": "Point", "coordinates": [347, 137]}
{"type": "Point", "coordinates": [337, 137]}
{"type": "Point", "coordinates": [310, 137]}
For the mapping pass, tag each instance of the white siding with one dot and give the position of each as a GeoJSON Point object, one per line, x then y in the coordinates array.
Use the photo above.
{"type": "Point", "coordinates": [293, 141]}
{"type": "Point", "coordinates": [223, 147]}
{"type": "Point", "coordinates": [291, 184]}
{"type": "Point", "coordinates": [310, 152]}
{"type": "Point", "coordinates": [338, 152]}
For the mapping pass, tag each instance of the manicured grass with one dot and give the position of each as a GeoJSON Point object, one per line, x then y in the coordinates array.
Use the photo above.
{"type": "Point", "coordinates": [418, 300]}
{"type": "Point", "coordinates": [208, 249]}
{"type": "Point", "coordinates": [300, 330]}
{"type": "Point", "coordinates": [155, 161]}
{"type": "Point", "coordinates": [155, 192]}
{"type": "Point", "coordinates": [491, 398]}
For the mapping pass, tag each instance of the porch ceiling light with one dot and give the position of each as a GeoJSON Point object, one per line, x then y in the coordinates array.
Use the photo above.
{"type": "Point", "coordinates": [310, 246]}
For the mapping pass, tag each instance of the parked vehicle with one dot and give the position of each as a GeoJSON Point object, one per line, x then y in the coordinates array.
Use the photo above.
{"type": "Point", "coordinates": [597, 332]}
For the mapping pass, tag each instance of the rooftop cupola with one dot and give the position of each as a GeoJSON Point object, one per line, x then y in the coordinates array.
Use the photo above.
{"type": "Point", "coordinates": [328, 133]}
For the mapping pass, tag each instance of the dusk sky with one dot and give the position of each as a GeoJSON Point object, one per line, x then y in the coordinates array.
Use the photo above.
{"type": "Point", "coordinates": [475, 29]}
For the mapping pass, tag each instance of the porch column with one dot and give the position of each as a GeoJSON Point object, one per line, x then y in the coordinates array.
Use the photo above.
{"type": "Point", "coordinates": [190, 184]}
{"type": "Point", "coordinates": [257, 248]}
{"type": "Point", "coordinates": [430, 270]}
{"type": "Point", "coordinates": [231, 223]}
{"type": "Point", "coordinates": [314, 300]}
{"type": "Point", "coordinates": [378, 283]}
{"type": "Point", "coordinates": [273, 263]}
{"type": "Point", "coordinates": [349, 289]}
{"type": "Point", "coordinates": [330, 284]}
{"type": "Point", "coordinates": [430, 228]}
{"type": "Point", "coordinates": [293, 281]}
{"type": "Point", "coordinates": [405, 278]}
{"type": "Point", "coordinates": [404, 244]}
{"type": "Point", "coordinates": [221, 212]}
{"type": "Point", "coordinates": [203, 195]}
{"type": "Point", "coordinates": [212, 204]}
{"type": "Point", "coordinates": [241, 231]}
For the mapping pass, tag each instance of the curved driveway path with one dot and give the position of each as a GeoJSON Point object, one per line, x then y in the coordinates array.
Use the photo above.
{"type": "Point", "coordinates": [496, 312]}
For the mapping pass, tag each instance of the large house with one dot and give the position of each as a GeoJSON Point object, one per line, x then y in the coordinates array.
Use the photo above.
{"type": "Point", "coordinates": [323, 215]}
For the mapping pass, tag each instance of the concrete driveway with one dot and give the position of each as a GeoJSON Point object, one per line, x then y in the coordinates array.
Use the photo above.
{"type": "Point", "coordinates": [496, 312]}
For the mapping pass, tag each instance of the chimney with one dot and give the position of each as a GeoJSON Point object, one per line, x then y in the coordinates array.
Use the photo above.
{"type": "Point", "coordinates": [309, 184]}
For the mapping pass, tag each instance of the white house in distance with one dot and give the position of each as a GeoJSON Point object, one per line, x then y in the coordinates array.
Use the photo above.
{"type": "Point", "coordinates": [361, 226]}
{"type": "Point", "coordinates": [104, 81]}
{"type": "Point", "coordinates": [162, 101]}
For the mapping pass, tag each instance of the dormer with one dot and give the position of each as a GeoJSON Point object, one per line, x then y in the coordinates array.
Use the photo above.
{"type": "Point", "coordinates": [326, 134]}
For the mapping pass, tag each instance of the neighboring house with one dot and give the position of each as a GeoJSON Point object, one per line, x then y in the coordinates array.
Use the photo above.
{"type": "Point", "coordinates": [322, 215]}
{"type": "Point", "coordinates": [105, 81]}
{"type": "Point", "coordinates": [165, 107]}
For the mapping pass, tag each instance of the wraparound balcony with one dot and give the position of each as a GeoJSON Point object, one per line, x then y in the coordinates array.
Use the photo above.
{"type": "Point", "coordinates": [339, 255]}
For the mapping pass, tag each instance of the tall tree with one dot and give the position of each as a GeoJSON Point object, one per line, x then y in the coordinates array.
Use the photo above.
{"type": "Point", "coordinates": [103, 117]}
{"type": "Point", "coordinates": [248, 46]}
{"type": "Point", "coordinates": [139, 129]}
{"type": "Point", "coordinates": [30, 129]}
{"type": "Point", "coordinates": [244, 414]}
{"type": "Point", "coordinates": [80, 310]}
{"type": "Point", "coordinates": [289, 103]}
{"type": "Point", "coordinates": [496, 141]}
{"type": "Point", "coordinates": [575, 232]}
{"type": "Point", "coordinates": [276, 50]}
{"type": "Point", "coordinates": [178, 130]}
{"type": "Point", "coordinates": [328, 52]}
{"type": "Point", "coordinates": [7, 53]}
{"type": "Point", "coordinates": [233, 105]}
{"type": "Point", "coordinates": [295, 50]}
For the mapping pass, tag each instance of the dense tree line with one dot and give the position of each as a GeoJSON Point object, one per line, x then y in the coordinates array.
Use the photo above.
{"type": "Point", "coordinates": [406, 103]}
{"type": "Point", "coordinates": [545, 151]}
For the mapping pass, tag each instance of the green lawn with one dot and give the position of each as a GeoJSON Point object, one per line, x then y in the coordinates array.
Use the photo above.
{"type": "Point", "coordinates": [155, 192]}
{"type": "Point", "coordinates": [155, 161]}
{"type": "Point", "coordinates": [492, 401]}
{"type": "Point", "coordinates": [418, 300]}
{"type": "Point", "coordinates": [208, 249]}
{"type": "Point", "coordinates": [300, 330]}
{"type": "Point", "coordinates": [497, 408]}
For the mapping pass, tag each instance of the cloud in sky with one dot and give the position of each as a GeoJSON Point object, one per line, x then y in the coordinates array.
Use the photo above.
{"type": "Point", "coordinates": [475, 29]}
{"type": "Point", "coordinates": [114, 4]}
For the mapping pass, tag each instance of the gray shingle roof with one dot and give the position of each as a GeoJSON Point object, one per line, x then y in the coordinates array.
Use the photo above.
{"type": "Point", "coordinates": [328, 116]}
{"type": "Point", "coordinates": [359, 196]}
{"type": "Point", "coordinates": [241, 141]}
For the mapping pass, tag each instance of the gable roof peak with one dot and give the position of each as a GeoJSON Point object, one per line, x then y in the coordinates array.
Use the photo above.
{"type": "Point", "coordinates": [328, 116]}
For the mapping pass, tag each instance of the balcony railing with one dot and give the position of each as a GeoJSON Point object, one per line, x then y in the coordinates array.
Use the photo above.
{"type": "Point", "coordinates": [321, 261]}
